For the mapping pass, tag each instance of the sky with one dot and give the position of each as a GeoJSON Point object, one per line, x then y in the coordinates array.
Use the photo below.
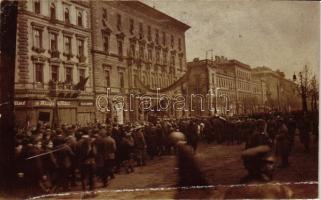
{"type": "Point", "coordinates": [278, 34]}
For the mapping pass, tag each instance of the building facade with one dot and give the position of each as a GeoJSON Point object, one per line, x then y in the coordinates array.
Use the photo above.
{"type": "Point", "coordinates": [136, 49]}
{"type": "Point", "coordinates": [281, 93]}
{"type": "Point", "coordinates": [53, 75]}
{"type": "Point", "coordinates": [234, 90]}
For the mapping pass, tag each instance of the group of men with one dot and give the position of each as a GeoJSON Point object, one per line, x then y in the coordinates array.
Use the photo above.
{"type": "Point", "coordinates": [55, 159]}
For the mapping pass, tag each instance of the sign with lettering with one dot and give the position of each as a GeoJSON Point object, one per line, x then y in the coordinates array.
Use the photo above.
{"type": "Point", "coordinates": [86, 103]}
{"type": "Point", "coordinates": [63, 103]}
{"type": "Point", "coordinates": [43, 103]}
{"type": "Point", "coordinates": [19, 103]}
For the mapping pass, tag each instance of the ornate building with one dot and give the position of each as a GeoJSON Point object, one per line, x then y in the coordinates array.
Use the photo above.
{"type": "Point", "coordinates": [234, 90]}
{"type": "Point", "coordinates": [53, 76]}
{"type": "Point", "coordinates": [281, 93]}
{"type": "Point", "coordinates": [136, 49]}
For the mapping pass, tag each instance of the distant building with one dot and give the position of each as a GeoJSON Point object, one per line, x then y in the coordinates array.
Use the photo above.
{"type": "Point", "coordinates": [281, 93]}
{"type": "Point", "coordinates": [136, 49]}
{"type": "Point", "coordinates": [235, 91]}
{"type": "Point", "coordinates": [53, 76]}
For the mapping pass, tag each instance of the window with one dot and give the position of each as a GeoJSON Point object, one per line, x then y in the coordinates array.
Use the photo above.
{"type": "Point", "coordinates": [67, 48]}
{"type": "Point", "coordinates": [68, 75]}
{"type": "Point", "coordinates": [106, 43]}
{"type": "Point", "coordinates": [141, 31]}
{"type": "Point", "coordinates": [132, 50]}
{"type": "Point", "coordinates": [37, 38]}
{"type": "Point", "coordinates": [157, 37]}
{"type": "Point", "coordinates": [67, 17]}
{"type": "Point", "coordinates": [54, 73]}
{"type": "Point", "coordinates": [164, 57]}
{"type": "Point", "coordinates": [164, 38]}
{"type": "Point", "coordinates": [181, 63]}
{"type": "Point", "coordinates": [39, 73]}
{"type": "Point", "coordinates": [141, 51]}
{"type": "Point", "coordinates": [80, 45]}
{"type": "Point", "coordinates": [120, 48]}
{"type": "Point", "coordinates": [149, 33]}
{"type": "Point", "coordinates": [107, 75]}
{"type": "Point", "coordinates": [119, 22]}
{"type": "Point", "coordinates": [105, 15]}
{"type": "Point", "coordinates": [131, 26]}
{"type": "Point", "coordinates": [179, 44]}
{"type": "Point", "coordinates": [121, 79]}
{"type": "Point", "coordinates": [79, 18]}
{"type": "Point", "coordinates": [81, 75]}
{"type": "Point", "coordinates": [157, 56]}
{"type": "Point", "coordinates": [213, 79]}
{"type": "Point", "coordinates": [149, 54]}
{"type": "Point", "coordinates": [37, 6]}
{"type": "Point", "coordinates": [53, 42]}
{"type": "Point", "coordinates": [173, 60]}
{"type": "Point", "coordinates": [52, 11]}
{"type": "Point", "coordinates": [172, 41]}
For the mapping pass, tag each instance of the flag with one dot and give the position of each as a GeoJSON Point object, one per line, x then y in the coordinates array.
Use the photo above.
{"type": "Point", "coordinates": [81, 84]}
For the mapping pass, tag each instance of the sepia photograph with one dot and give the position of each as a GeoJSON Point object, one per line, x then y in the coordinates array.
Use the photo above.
{"type": "Point", "coordinates": [159, 99]}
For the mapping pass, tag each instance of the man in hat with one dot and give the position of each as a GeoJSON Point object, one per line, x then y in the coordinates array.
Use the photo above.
{"type": "Point", "coordinates": [111, 149]}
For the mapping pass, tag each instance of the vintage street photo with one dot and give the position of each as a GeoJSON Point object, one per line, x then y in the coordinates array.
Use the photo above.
{"type": "Point", "coordinates": [148, 99]}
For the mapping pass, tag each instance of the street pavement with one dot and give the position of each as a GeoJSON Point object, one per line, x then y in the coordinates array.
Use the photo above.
{"type": "Point", "coordinates": [222, 166]}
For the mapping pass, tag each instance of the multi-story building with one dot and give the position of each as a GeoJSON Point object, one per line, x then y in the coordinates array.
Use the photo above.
{"type": "Point", "coordinates": [234, 89]}
{"type": "Point", "coordinates": [53, 75]}
{"type": "Point", "coordinates": [281, 93]}
{"type": "Point", "coordinates": [136, 49]}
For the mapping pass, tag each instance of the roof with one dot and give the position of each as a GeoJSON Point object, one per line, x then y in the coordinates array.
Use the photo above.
{"type": "Point", "coordinates": [162, 17]}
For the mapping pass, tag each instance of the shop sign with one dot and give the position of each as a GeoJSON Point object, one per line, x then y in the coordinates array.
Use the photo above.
{"type": "Point", "coordinates": [86, 103]}
{"type": "Point", "coordinates": [43, 103]}
{"type": "Point", "coordinates": [63, 103]}
{"type": "Point", "coordinates": [19, 103]}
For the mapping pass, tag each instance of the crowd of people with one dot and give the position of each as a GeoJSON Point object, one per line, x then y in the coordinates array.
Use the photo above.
{"type": "Point", "coordinates": [56, 159]}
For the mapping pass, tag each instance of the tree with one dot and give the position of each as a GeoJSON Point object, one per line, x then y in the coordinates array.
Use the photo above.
{"type": "Point", "coordinates": [314, 93]}
{"type": "Point", "coordinates": [303, 86]}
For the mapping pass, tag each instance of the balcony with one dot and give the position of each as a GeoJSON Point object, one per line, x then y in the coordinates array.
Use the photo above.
{"type": "Point", "coordinates": [62, 90]}
{"type": "Point", "coordinates": [68, 55]}
{"type": "Point", "coordinates": [54, 54]}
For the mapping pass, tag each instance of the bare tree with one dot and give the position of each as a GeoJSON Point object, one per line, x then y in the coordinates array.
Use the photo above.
{"type": "Point", "coordinates": [303, 86]}
{"type": "Point", "coordinates": [314, 93]}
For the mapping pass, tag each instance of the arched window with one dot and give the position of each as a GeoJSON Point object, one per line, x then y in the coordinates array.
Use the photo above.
{"type": "Point", "coordinates": [52, 11]}
{"type": "Point", "coordinates": [79, 18]}
{"type": "Point", "coordinates": [67, 17]}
